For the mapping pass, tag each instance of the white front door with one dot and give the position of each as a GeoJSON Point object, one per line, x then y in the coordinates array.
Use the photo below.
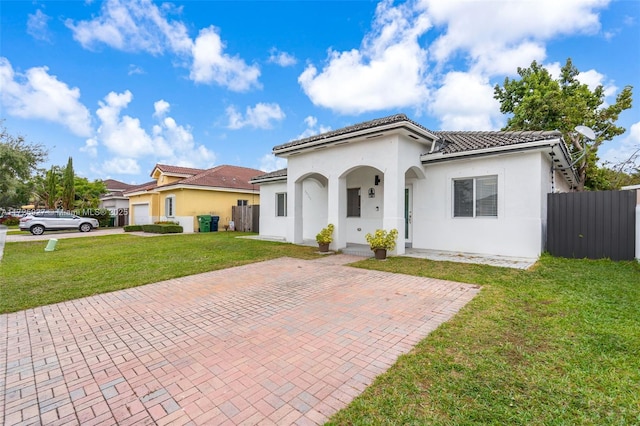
{"type": "Point", "coordinates": [408, 215]}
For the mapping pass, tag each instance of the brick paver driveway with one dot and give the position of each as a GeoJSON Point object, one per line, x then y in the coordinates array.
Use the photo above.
{"type": "Point", "coordinates": [285, 341]}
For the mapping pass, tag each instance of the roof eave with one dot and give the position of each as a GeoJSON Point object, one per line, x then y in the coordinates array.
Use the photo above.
{"type": "Point", "coordinates": [259, 181]}
{"type": "Point", "coordinates": [348, 137]}
{"type": "Point", "coordinates": [565, 158]}
{"type": "Point", "coordinates": [170, 187]}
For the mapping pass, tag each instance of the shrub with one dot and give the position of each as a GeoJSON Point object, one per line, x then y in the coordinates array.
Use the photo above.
{"type": "Point", "coordinates": [10, 220]}
{"type": "Point", "coordinates": [133, 228]}
{"type": "Point", "coordinates": [325, 236]}
{"type": "Point", "coordinates": [382, 239]}
{"type": "Point", "coordinates": [167, 222]}
{"type": "Point", "coordinates": [162, 229]}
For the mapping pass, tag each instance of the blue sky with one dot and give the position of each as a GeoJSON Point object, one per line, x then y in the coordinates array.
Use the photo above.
{"type": "Point", "coordinates": [123, 85]}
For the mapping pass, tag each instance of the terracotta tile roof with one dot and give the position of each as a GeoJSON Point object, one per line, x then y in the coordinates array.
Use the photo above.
{"type": "Point", "coordinates": [282, 173]}
{"type": "Point", "coordinates": [397, 118]}
{"type": "Point", "coordinates": [141, 187]}
{"type": "Point", "coordinates": [225, 176]}
{"type": "Point", "coordinates": [177, 169]}
{"type": "Point", "coordinates": [454, 142]}
{"type": "Point", "coordinates": [113, 184]}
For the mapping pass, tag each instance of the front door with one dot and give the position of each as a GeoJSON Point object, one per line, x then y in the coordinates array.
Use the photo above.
{"type": "Point", "coordinates": [408, 213]}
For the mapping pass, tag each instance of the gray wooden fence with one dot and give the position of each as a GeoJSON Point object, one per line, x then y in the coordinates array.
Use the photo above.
{"type": "Point", "coordinates": [592, 224]}
{"type": "Point", "coordinates": [246, 218]}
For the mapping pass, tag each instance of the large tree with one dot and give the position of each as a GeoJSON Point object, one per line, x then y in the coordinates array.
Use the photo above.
{"type": "Point", "coordinates": [88, 193]}
{"type": "Point", "coordinates": [68, 186]}
{"type": "Point", "coordinates": [18, 160]}
{"type": "Point", "coordinates": [51, 193]}
{"type": "Point", "coordinates": [537, 101]}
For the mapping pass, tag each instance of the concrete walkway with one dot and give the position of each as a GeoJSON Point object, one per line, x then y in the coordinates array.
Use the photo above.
{"type": "Point", "coordinates": [281, 342]}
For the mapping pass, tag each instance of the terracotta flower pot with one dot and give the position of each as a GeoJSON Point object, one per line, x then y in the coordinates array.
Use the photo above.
{"type": "Point", "coordinates": [381, 254]}
{"type": "Point", "coordinates": [323, 247]}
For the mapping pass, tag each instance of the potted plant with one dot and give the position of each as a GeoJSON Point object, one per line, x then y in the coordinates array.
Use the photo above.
{"type": "Point", "coordinates": [324, 238]}
{"type": "Point", "coordinates": [381, 241]}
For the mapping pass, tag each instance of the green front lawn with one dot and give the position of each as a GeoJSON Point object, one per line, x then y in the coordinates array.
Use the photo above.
{"type": "Point", "coordinates": [559, 344]}
{"type": "Point", "coordinates": [84, 266]}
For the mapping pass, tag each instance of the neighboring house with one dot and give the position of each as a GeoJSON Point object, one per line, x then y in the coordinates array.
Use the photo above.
{"type": "Point", "coordinates": [115, 201]}
{"type": "Point", "coordinates": [181, 194]}
{"type": "Point", "coordinates": [472, 192]}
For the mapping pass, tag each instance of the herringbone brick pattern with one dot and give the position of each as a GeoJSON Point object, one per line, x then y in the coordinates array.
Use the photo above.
{"type": "Point", "coordinates": [285, 341]}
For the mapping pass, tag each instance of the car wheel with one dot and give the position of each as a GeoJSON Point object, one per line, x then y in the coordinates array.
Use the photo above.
{"type": "Point", "coordinates": [37, 229]}
{"type": "Point", "coordinates": [85, 227]}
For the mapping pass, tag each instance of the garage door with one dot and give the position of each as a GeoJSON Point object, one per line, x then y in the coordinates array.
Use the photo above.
{"type": "Point", "coordinates": [141, 214]}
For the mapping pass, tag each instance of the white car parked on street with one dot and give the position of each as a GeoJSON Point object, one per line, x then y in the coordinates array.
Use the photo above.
{"type": "Point", "coordinates": [52, 220]}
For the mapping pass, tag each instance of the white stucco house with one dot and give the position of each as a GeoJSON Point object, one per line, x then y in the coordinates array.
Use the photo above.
{"type": "Point", "coordinates": [469, 192]}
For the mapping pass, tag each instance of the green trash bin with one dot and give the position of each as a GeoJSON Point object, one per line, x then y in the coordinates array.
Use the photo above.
{"type": "Point", "coordinates": [205, 222]}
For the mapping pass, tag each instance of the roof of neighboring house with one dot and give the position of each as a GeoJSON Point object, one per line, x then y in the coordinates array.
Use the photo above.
{"type": "Point", "coordinates": [454, 142]}
{"type": "Point", "coordinates": [225, 176]}
{"type": "Point", "coordinates": [372, 124]}
{"type": "Point", "coordinates": [116, 185]}
{"type": "Point", "coordinates": [115, 189]}
{"type": "Point", "coordinates": [176, 169]}
{"type": "Point", "coordinates": [233, 177]}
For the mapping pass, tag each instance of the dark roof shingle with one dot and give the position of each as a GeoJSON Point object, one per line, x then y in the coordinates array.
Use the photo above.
{"type": "Point", "coordinates": [454, 142]}
{"type": "Point", "coordinates": [397, 118]}
{"type": "Point", "coordinates": [282, 173]}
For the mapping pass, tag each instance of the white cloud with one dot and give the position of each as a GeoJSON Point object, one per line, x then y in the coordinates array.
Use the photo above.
{"type": "Point", "coordinates": [37, 94]}
{"type": "Point", "coordinates": [465, 102]}
{"type": "Point", "coordinates": [38, 26]}
{"type": "Point", "coordinates": [501, 60]}
{"type": "Point", "coordinates": [312, 128]}
{"type": "Point", "coordinates": [389, 70]}
{"type": "Point", "coordinates": [270, 163]}
{"type": "Point", "coordinates": [140, 25]}
{"type": "Point", "coordinates": [168, 142]}
{"type": "Point", "coordinates": [628, 148]}
{"type": "Point", "coordinates": [211, 65]}
{"type": "Point", "coordinates": [161, 108]}
{"type": "Point", "coordinates": [134, 69]}
{"type": "Point", "coordinates": [120, 166]}
{"type": "Point", "coordinates": [261, 116]}
{"type": "Point", "coordinates": [132, 25]}
{"type": "Point", "coordinates": [90, 147]}
{"type": "Point", "coordinates": [283, 59]}
{"type": "Point", "coordinates": [124, 135]}
{"type": "Point", "coordinates": [491, 30]}
{"type": "Point", "coordinates": [593, 79]}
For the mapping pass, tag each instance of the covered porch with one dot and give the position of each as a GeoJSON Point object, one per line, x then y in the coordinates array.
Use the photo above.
{"type": "Point", "coordinates": [357, 201]}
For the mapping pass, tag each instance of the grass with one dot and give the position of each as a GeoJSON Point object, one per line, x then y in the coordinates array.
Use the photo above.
{"type": "Point", "coordinates": [556, 345]}
{"type": "Point", "coordinates": [80, 267]}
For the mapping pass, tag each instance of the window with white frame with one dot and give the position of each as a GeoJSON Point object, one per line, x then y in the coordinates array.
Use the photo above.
{"type": "Point", "coordinates": [281, 204]}
{"type": "Point", "coordinates": [170, 206]}
{"type": "Point", "coordinates": [243, 203]}
{"type": "Point", "coordinates": [475, 197]}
